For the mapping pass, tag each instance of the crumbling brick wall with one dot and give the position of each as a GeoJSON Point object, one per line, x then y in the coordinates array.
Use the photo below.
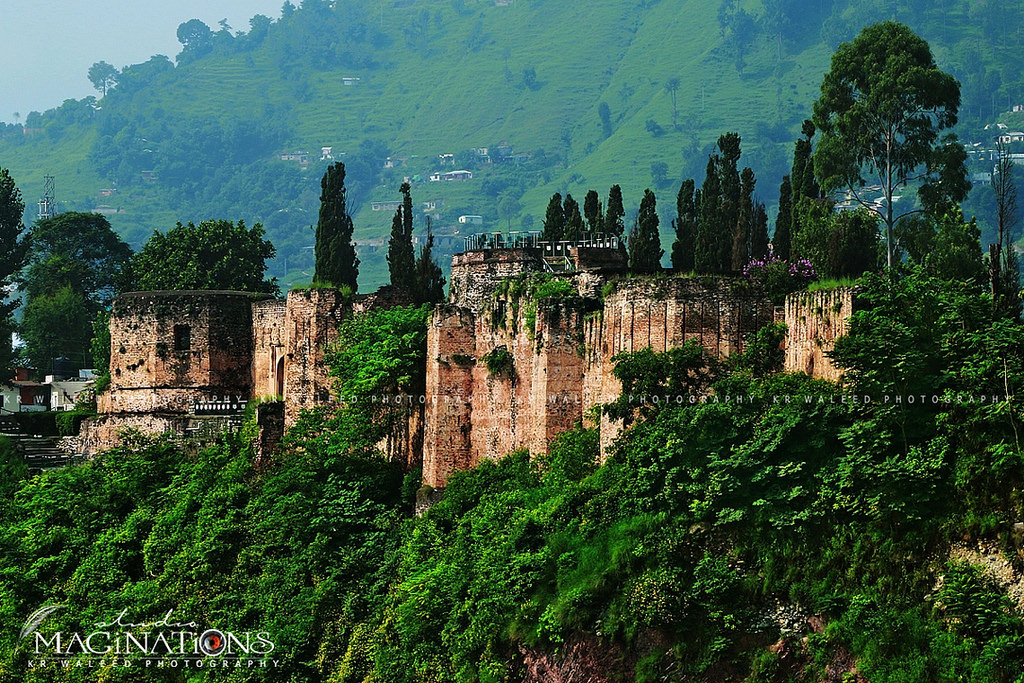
{"type": "Point", "coordinates": [169, 349]}
{"type": "Point", "coordinates": [313, 316]}
{"type": "Point", "coordinates": [270, 336]}
{"type": "Point", "coordinates": [814, 320]}
{"type": "Point", "coordinates": [563, 366]}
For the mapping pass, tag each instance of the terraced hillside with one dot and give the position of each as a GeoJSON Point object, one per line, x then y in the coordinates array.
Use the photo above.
{"type": "Point", "coordinates": [414, 79]}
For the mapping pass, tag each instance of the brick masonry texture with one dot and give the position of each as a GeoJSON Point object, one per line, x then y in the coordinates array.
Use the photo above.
{"type": "Point", "coordinates": [171, 349]}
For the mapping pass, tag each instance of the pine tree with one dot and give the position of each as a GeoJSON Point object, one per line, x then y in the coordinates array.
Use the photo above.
{"type": "Point", "coordinates": [573, 219]}
{"type": "Point", "coordinates": [744, 222]}
{"type": "Point", "coordinates": [592, 211]}
{"type": "Point", "coordinates": [685, 227]}
{"type": "Point", "coordinates": [710, 230]}
{"type": "Point", "coordinates": [644, 241]}
{"type": "Point", "coordinates": [429, 279]}
{"type": "Point", "coordinates": [335, 254]}
{"type": "Point", "coordinates": [614, 216]}
{"type": "Point", "coordinates": [554, 220]}
{"type": "Point", "coordinates": [759, 237]}
{"type": "Point", "coordinates": [782, 240]}
{"type": "Point", "coordinates": [401, 256]}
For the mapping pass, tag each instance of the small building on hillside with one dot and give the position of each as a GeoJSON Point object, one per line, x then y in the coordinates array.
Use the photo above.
{"type": "Point", "coordinates": [298, 156]}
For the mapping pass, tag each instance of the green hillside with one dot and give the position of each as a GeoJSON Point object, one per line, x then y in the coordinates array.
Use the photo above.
{"type": "Point", "coordinates": [203, 138]}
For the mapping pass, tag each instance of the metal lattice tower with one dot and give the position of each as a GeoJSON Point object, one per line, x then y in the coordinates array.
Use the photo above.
{"type": "Point", "coordinates": [48, 204]}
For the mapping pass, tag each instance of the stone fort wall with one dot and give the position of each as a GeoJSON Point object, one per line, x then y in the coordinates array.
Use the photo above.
{"type": "Point", "coordinates": [504, 372]}
{"type": "Point", "coordinates": [561, 368]}
{"type": "Point", "coordinates": [177, 357]}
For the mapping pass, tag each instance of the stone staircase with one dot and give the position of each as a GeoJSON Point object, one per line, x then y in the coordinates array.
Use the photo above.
{"type": "Point", "coordinates": [41, 452]}
{"type": "Point", "coordinates": [558, 264]}
{"type": "Point", "coordinates": [38, 452]}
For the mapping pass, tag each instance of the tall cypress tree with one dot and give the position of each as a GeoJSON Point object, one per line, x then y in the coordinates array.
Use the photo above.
{"type": "Point", "coordinates": [808, 183]}
{"type": "Point", "coordinates": [554, 220]}
{"type": "Point", "coordinates": [592, 211]}
{"type": "Point", "coordinates": [644, 241]}
{"type": "Point", "coordinates": [429, 279]}
{"type": "Point", "coordinates": [802, 179]}
{"type": "Point", "coordinates": [783, 238]}
{"type": "Point", "coordinates": [729, 144]}
{"type": "Point", "coordinates": [573, 219]}
{"type": "Point", "coordinates": [614, 215]}
{"type": "Point", "coordinates": [401, 256]}
{"type": "Point", "coordinates": [685, 227]}
{"type": "Point", "coordinates": [336, 263]}
{"type": "Point", "coordinates": [744, 222]}
{"type": "Point", "coordinates": [711, 233]}
{"type": "Point", "coordinates": [759, 237]}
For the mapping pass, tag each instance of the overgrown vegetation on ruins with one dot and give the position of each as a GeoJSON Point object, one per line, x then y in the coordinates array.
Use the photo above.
{"type": "Point", "coordinates": [710, 524]}
{"type": "Point", "coordinates": [759, 526]}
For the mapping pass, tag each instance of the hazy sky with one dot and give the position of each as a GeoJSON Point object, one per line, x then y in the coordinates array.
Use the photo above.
{"type": "Point", "coordinates": [47, 46]}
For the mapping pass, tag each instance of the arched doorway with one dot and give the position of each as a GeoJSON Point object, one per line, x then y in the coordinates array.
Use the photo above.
{"type": "Point", "coordinates": [280, 376]}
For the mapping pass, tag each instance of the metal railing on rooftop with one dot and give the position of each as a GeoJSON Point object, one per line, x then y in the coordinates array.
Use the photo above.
{"type": "Point", "coordinates": [532, 240]}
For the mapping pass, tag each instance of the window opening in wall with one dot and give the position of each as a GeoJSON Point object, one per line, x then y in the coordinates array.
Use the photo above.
{"type": "Point", "coordinates": [182, 338]}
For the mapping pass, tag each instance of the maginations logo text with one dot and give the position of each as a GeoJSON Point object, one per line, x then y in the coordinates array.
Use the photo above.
{"type": "Point", "coordinates": [164, 643]}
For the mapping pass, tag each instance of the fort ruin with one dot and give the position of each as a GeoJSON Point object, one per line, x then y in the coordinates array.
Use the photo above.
{"type": "Point", "coordinates": [505, 369]}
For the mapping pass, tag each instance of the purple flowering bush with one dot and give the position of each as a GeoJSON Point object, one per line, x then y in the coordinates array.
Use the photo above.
{"type": "Point", "coordinates": [778, 276]}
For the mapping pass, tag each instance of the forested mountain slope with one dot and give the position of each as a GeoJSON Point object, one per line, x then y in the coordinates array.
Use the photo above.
{"type": "Point", "coordinates": [583, 94]}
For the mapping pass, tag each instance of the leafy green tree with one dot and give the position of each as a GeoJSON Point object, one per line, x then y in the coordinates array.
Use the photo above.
{"type": "Point", "coordinates": [379, 353]}
{"type": "Point", "coordinates": [335, 254]}
{"type": "Point", "coordinates": [672, 88]}
{"type": "Point", "coordinates": [573, 219]}
{"type": "Point", "coordinates": [592, 211]}
{"type": "Point", "coordinates": [77, 249]}
{"type": "Point", "coordinates": [882, 108]}
{"type": "Point", "coordinates": [508, 206]}
{"type": "Point", "coordinates": [212, 255]}
{"type": "Point", "coordinates": [13, 252]}
{"type": "Point", "coordinates": [58, 325]}
{"type": "Point", "coordinates": [781, 240]}
{"type": "Point", "coordinates": [429, 279]}
{"type": "Point", "coordinates": [103, 76]}
{"type": "Point", "coordinates": [401, 257]}
{"type": "Point", "coordinates": [100, 344]}
{"type": "Point", "coordinates": [196, 39]}
{"type": "Point", "coordinates": [554, 220]}
{"type": "Point", "coordinates": [838, 245]}
{"type": "Point", "coordinates": [956, 251]}
{"type": "Point", "coordinates": [685, 227]}
{"type": "Point", "coordinates": [614, 216]}
{"type": "Point", "coordinates": [644, 240]}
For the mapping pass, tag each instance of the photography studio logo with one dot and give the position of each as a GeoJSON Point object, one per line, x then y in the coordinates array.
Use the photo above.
{"type": "Point", "coordinates": [121, 642]}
